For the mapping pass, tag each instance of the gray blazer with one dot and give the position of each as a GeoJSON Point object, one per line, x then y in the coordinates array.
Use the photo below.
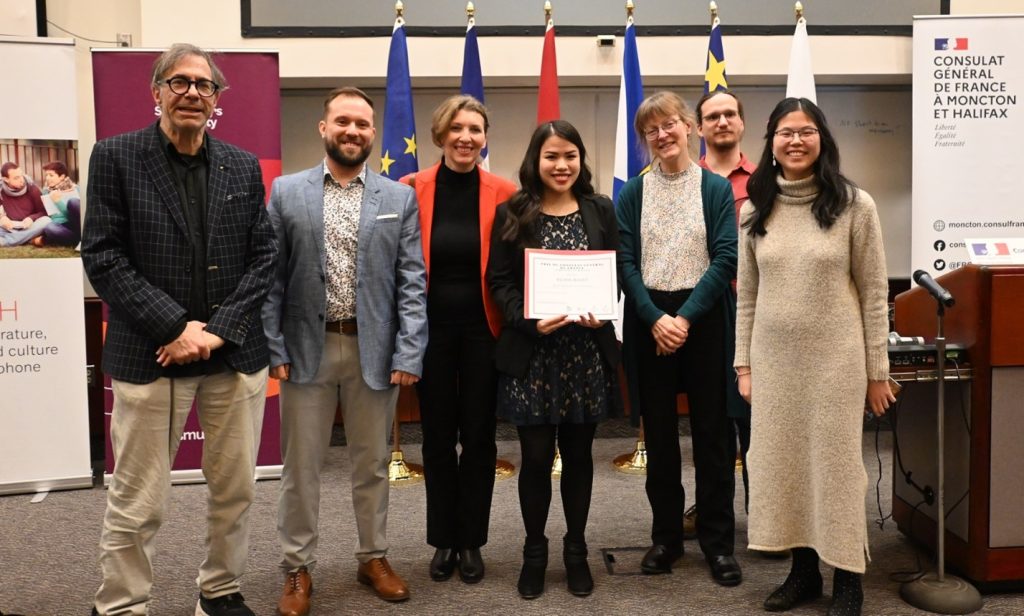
{"type": "Point", "coordinates": [391, 309]}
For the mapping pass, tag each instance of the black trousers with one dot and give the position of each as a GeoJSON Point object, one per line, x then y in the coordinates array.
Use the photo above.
{"type": "Point", "coordinates": [457, 397]}
{"type": "Point", "coordinates": [698, 368]}
{"type": "Point", "coordinates": [537, 443]}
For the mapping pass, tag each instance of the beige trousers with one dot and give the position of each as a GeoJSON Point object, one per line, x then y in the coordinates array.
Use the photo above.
{"type": "Point", "coordinates": [307, 416]}
{"type": "Point", "coordinates": [145, 429]}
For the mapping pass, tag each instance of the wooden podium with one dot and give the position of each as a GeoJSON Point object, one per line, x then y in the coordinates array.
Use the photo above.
{"type": "Point", "coordinates": [984, 425]}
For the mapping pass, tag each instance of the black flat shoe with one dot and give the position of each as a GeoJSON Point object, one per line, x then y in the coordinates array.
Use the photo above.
{"type": "Point", "coordinates": [471, 565]}
{"type": "Point", "coordinates": [725, 570]}
{"type": "Point", "coordinates": [442, 565]}
{"type": "Point", "coordinates": [659, 559]}
{"type": "Point", "coordinates": [793, 592]}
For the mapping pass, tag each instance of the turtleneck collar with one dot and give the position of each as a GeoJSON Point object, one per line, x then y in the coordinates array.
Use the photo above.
{"type": "Point", "coordinates": [447, 175]}
{"type": "Point", "coordinates": [797, 191]}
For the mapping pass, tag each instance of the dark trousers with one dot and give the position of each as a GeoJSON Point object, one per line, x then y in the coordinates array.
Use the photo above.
{"type": "Point", "coordinates": [538, 448]}
{"type": "Point", "coordinates": [741, 427]}
{"type": "Point", "coordinates": [698, 369]}
{"type": "Point", "coordinates": [67, 233]}
{"type": "Point", "coordinates": [457, 397]}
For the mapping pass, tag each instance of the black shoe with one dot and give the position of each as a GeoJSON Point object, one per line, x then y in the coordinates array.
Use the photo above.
{"type": "Point", "coordinates": [725, 570]}
{"type": "Point", "coordinates": [659, 559]}
{"type": "Point", "coordinates": [225, 605]}
{"type": "Point", "coordinates": [94, 612]}
{"type": "Point", "coordinates": [535, 564]}
{"type": "Point", "coordinates": [577, 571]}
{"type": "Point", "coordinates": [442, 565]}
{"type": "Point", "coordinates": [471, 565]}
{"type": "Point", "coordinates": [794, 591]}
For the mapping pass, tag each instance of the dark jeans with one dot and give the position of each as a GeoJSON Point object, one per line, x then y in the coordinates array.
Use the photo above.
{"type": "Point", "coordinates": [537, 444]}
{"type": "Point", "coordinates": [66, 233]}
{"type": "Point", "coordinates": [457, 397]}
{"type": "Point", "coordinates": [698, 368]}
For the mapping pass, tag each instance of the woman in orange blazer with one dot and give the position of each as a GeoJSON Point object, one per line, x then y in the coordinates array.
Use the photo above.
{"type": "Point", "coordinates": [457, 393]}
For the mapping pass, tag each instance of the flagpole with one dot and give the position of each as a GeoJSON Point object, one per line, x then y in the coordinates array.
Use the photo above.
{"type": "Point", "coordinates": [798, 8]}
{"type": "Point", "coordinates": [713, 7]}
{"type": "Point", "coordinates": [634, 462]}
{"type": "Point", "coordinates": [399, 471]}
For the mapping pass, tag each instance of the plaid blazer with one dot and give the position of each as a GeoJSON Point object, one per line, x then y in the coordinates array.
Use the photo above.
{"type": "Point", "coordinates": [136, 252]}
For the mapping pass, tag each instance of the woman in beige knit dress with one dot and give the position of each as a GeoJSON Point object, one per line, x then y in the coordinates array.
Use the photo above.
{"type": "Point", "coordinates": [810, 348]}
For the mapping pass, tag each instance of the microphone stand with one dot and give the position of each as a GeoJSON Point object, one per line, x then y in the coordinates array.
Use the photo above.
{"type": "Point", "coordinates": [938, 592]}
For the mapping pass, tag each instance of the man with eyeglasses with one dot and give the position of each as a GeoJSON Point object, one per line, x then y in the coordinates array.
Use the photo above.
{"type": "Point", "coordinates": [177, 242]}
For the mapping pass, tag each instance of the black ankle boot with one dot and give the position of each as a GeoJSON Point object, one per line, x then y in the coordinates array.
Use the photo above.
{"type": "Point", "coordinates": [535, 564]}
{"type": "Point", "coordinates": [802, 584]}
{"type": "Point", "coordinates": [577, 571]}
{"type": "Point", "coordinates": [847, 595]}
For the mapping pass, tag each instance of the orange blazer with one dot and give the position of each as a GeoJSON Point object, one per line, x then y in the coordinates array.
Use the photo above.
{"type": "Point", "coordinates": [493, 191]}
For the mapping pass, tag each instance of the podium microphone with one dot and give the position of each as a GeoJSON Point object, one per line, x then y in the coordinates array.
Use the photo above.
{"type": "Point", "coordinates": [943, 296]}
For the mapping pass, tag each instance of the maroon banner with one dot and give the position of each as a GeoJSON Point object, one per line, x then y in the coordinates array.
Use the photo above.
{"type": "Point", "coordinates": [248, 115]}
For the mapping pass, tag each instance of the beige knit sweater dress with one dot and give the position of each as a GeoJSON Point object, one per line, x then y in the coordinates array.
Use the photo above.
{"type": "Point", "coordinates": [812, 325]}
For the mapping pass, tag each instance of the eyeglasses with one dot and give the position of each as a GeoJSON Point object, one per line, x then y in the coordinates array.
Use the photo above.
{"type": "Point", "coordinates": [181, 86]}
{"type": "Point", "coordinates": [713, 118]}
{"type": "Point", "coordinates": [805, 133]}
{"type": "Point", "coordinates": [667, 126]}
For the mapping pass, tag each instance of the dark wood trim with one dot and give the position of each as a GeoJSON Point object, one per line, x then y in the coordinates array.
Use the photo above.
{"type": "Point", "coordinates": [944, 7]}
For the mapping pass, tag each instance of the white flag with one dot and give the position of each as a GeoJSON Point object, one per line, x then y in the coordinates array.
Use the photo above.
{"type": "Point", "coordinates": [800, 82]}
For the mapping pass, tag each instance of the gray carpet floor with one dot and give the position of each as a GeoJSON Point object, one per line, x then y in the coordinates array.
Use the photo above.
{"type": "Point", "coordinates": [48, 553]}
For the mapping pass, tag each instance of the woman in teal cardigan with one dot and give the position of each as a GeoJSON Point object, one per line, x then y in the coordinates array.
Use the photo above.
{"type": "Point", "coordinates": [677, 256]}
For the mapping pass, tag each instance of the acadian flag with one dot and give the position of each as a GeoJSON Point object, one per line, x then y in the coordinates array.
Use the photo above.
{"type": "Point", "coordinates": [398, 145]}
{"type": "Point", "coordinates": [714, 69]}
{"type": "Point", "coordinates": [628, 159]}
{"type": "Point", "coordinates": [800, 82]}
{"type": "Point", "coordinates": [472, 76]}
{"type": "Point", "coordinates": [547, 95]}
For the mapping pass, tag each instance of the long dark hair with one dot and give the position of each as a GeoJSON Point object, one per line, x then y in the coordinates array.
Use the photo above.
{"type": "Point", "coordinates": [835, 191]}
{"type": "Point", "coordinates": [524, 206]}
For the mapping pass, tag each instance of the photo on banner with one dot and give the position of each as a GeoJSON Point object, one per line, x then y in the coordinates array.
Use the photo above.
{"type": "Point", "coordinates": [247, 115]}
{"type": "Point", "coordinates": [44, 431]}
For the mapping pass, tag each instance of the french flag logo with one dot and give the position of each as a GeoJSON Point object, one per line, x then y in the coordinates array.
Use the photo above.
{"type": "Point", "coordinates": [1002, 249]}
{"type": "Point", "coordinates": [950, 44]}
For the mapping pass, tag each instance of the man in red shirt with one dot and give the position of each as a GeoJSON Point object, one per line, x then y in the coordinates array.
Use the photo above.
{"type": "Point", "coordinates": [24, 215]}
{"type": "Point", "coordinates": [720, 124]}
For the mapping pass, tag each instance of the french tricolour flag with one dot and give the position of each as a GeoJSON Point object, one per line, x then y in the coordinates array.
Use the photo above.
{"type": "Point", "coordinates": [954, 44]}
{"type": "Point", "coordinates": [628, 160]}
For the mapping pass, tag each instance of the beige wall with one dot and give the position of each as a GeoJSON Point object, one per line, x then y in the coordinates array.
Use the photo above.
{"type": "Point", "coordinates": [856, 74]}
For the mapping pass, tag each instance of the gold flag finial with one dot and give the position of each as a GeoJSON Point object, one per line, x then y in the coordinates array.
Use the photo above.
{"type": "Point", "coordinates": [470, 10]}
{"type": "Point", "coordinates": [629, 8]}
{"type": "Point", "coordinates": [399, 9]}
{"type": "Point", "coordinates": [713, 7]}
{"type": "Point", "coordinates": [547, 10]}
{"type": "Point", "coordinates": [798, 8]}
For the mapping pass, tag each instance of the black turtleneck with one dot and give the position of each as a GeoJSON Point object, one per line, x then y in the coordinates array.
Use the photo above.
{"type": "Point", "coordinates": [455, 294]}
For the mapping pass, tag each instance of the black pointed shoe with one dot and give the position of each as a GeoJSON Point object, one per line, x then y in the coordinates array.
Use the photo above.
{"type": "Point", "coordinates": [659, 559]}
{"type": "Point", "coordinates": [471, 565]}
{"type": "Point", "coordinates": [442, 565]}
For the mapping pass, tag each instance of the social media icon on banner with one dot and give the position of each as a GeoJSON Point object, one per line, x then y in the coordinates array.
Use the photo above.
{"type": "Point", "coordinates": [939, 245]}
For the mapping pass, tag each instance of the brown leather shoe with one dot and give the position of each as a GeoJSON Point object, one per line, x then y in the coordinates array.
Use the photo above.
{"type": "Point", "coordinates": [386, 583]}
{"type": "Point", "coordinates": [298, 586]}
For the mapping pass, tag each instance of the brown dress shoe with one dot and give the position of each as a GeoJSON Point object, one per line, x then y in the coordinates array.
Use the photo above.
{"type": "Point", "coordinates": [298, 586]}
{"type": "Point", "coordinates": [386, 583]}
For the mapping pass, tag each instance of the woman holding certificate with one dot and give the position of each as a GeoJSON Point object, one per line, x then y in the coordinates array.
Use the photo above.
{"type": "Point", "coordinates": [678, 256]}
{"type": "Point", "coordinates": [810, 350]}
{"type": "Point", "coordinates": [556, 375]}
{"type": "Point", "coordinates": [457, 200]}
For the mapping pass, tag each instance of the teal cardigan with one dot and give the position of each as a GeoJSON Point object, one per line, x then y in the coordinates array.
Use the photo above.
{"type": "Point", "coordinates": [714, 285]}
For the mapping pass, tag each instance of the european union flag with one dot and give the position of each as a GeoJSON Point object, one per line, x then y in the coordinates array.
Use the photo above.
{"type": "Point", "coordinates": [398, 145]}
{"type": "Point", "coordinates": [472, 76]}
{"type": "Point", "coordinates": [714, 72]}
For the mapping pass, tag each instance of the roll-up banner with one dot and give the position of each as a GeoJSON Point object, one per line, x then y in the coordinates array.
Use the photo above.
{"type": "Point", "coordinates": [247, 115]}
{"type": "Point", "coordinates": [44, 413]}
{"type": "Point", "coordinates": [968, 119]}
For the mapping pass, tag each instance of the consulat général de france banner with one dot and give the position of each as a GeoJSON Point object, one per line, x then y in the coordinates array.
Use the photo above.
{"type": "Point", "coordinates": [968, 108]}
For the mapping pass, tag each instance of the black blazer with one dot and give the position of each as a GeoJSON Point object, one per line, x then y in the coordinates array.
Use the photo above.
{"type": "Point", "coordinates": [505, 277]}
{"type": "Point", "coordinates": [136, 251]}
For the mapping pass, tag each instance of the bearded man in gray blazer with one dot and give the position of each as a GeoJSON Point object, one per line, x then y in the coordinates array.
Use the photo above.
{"type": "Point", "coordinates": [346, 323]}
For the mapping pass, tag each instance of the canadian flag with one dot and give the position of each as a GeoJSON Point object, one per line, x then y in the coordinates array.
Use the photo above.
{"type": "Point", "coordinates": [547, 94]}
